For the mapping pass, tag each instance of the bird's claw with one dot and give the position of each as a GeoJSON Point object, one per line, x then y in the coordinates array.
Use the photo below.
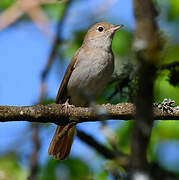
{"type": "Point", "coordinates": [66, 105]}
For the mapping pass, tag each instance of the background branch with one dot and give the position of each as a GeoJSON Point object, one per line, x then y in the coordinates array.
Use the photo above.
{"type": "Point", "coordinates": [34, 165]}
{"type": "Point", "coordinates": [57, 41]}
{"type": "Point", "coordinates": [103, 150]}
{"type": "Point", "coordinates": [147, 45]}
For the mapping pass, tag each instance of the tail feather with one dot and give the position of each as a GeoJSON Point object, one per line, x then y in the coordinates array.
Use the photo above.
{"type": "Point", "coordinates": [61, 149]}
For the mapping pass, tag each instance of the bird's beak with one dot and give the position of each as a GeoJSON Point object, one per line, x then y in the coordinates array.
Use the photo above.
{"type": "Point", "coordinates": [115, 28]}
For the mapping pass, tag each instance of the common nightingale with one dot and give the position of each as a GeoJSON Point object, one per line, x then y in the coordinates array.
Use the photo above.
{"type": "Point", "coordinates": [89, 72]}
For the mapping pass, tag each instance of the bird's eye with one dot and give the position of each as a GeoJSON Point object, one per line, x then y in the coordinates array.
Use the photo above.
{"type": "Point", "coordinates": [100, 29]}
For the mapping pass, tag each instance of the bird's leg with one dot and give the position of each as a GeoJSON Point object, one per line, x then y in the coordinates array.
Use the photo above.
{"type": "Point", "coordinates": [67, 105]}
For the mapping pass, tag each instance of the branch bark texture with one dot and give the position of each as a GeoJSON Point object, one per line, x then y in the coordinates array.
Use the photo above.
{"type": "Point", "coordinates": [56, 113]}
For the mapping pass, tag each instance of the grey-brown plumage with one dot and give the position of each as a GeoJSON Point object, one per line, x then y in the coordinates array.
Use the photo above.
{"type": "Point", "coordinates": [88, 73]}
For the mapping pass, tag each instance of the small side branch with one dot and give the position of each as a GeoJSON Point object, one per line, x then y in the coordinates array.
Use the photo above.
{"type": "Point", "coordinates": [55, 113]}
{"type": "Point", "coordinates": [107, 153]}
{"type": "Point", "coordinates": [122, 159]}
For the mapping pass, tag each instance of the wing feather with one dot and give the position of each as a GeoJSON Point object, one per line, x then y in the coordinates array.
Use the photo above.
{"type": "Point", "coordinates": [64, 83]}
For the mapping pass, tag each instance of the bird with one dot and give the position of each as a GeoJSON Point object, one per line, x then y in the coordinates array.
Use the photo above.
{"type": "Point", "coordinates": [88, 73]}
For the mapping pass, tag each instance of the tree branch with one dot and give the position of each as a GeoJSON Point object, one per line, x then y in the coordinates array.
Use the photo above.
{"type": "Point", "coordinates": [56, 113]}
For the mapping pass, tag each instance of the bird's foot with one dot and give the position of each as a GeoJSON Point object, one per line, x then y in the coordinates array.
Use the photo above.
{"type": "Point", "coordinates": [66, 105]}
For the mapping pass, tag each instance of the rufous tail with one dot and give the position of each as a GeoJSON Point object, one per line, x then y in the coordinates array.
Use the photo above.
{"type": "Point", "coordinates": [60, 149]}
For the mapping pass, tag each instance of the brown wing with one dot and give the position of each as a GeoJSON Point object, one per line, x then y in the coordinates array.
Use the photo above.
{"type": "Point", "coordinates": [61, 148]}
{"type": "Point", "coordinates": [62, 89]}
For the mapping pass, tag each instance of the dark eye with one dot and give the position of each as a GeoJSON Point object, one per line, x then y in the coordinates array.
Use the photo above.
{"type": "Point", "coordinates": [100, 28]}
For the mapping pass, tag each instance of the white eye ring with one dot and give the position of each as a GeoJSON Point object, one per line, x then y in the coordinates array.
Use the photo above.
{"type": "Point", "coordinates": [100, 29]}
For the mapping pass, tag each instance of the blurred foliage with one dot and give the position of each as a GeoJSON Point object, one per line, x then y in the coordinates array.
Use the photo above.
{"type": "Point", "coordinates": [102, 175]}
{"type": "Point", "coordinates": [174, 10]}
{"type": "Point", "coordinates": [75, 43]}
{"type": "Point", "coordinates": [10, 169]}
{"type": "Point", "coordinates": [123, 132]}
{"type": "Point", "coordinates": [123, 88]}
{"type": "Point", "coordinates": [54, 11]}
{"type": "Point", "coordinates": [165, 85]}
{"type": "Point", "coordinates": [171, 55]}
{"type": "Point", "coordinates": [72, 168]}
{"type": "Point", "coordinates": [5, 4]}
{"type": "Point", "coordinates": [122, 43]}
{"type": "Point", "coordinates": [47, 101]}
{"type": "Point", "coordinates": [163, 88]}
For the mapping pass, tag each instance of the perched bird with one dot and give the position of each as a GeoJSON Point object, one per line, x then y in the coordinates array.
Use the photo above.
{"type": "Point", "coordinates": [89, 72]}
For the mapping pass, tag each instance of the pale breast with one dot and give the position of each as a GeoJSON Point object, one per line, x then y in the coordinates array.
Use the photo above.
{"type": "Point", "coordinates": [92, 72]}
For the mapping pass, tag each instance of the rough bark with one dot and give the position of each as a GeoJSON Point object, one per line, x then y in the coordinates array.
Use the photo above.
{"type": "Point", "coordinates": [56, 113]}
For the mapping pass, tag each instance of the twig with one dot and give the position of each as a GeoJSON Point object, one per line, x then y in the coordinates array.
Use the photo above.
{"type": "Point", "coordinates": [103, 150]}
{"type": "Point", "coordinates": [57, 41]}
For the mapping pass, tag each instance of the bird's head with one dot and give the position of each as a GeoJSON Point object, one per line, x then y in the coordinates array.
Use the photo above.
{"type": "Point", "coordinates": [100, 35]}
